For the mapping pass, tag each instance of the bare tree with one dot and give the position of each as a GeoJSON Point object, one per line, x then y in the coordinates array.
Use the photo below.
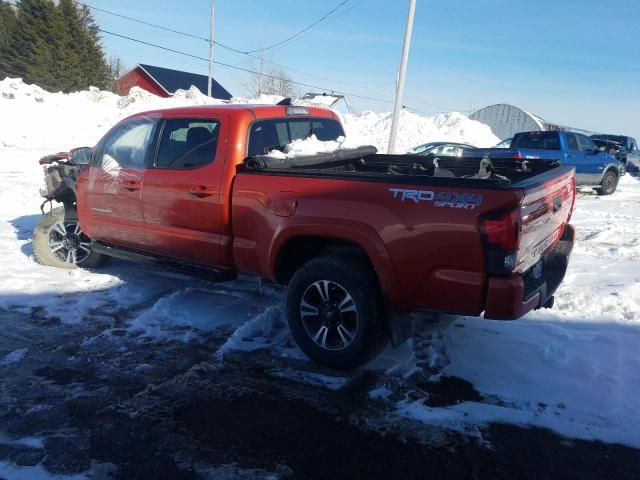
{"type": "Point", "coordinates": [279, 83]}
{"type": "Point", "coordinates": [255, 84]}
{"type": "Point", "coordinates": [274, 81]}
{"type": "Point", "coordinates": [117, 69]}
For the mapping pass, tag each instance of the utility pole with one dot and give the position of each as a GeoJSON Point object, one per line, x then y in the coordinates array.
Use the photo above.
{"type": "Point", "coordinates": [401, 77]}
{"type": "Point", "coordinates": [210, 51]}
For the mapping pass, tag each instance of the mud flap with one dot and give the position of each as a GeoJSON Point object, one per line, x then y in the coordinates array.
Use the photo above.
{"type": "Point", "coordinates": [400, 327]}
{"type": "Point", "coordinates": [403, 326]}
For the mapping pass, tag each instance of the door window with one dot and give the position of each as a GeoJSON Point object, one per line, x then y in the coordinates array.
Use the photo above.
{"type": "Point", "coordinates": [187, 143]}
{"type": "Point", "coordinates": [586, 144]}
{"type": "Point", "coordinates": [125, 147]}
{"type": "Point", "coordinates": [572, 142]}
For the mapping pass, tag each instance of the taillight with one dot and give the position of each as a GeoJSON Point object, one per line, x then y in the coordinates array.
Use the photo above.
{"type": "Point", "coordinates": [517, 155]}
{"type": "Point", "coordinates": [501, 233]}
{"type": "Point", "coordinates": [573, 197]}
{"type": "Point", "coordinates": [503, 230]}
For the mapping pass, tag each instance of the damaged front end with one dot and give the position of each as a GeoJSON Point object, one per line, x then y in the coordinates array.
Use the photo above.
{"type": "Point", "coordinates": [61, 172]}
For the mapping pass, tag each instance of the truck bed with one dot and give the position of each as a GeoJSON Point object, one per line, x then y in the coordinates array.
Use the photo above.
{"type": "Point", "coordinates": [410, 216]}
{"type": "Point", "coordinates": [477, 171]}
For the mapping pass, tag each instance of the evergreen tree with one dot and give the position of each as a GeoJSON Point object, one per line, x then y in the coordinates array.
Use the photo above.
{"type": "Point", "coordinates": [71, 42]}
{"type": "Point", "coordinates": [95, 65]}
{"type": "Point", "coordinates": [54, 46]}
{"type": "Point", "coordinates": [7, 23]}
{"type": "Point", "coordinates": [30, 52]}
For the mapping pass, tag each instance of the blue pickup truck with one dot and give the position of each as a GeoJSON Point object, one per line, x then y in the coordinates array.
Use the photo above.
{"type": "Point", "coordinates": [594, 167]}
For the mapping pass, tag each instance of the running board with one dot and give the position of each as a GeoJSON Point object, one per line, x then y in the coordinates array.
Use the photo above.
{"type": "Point", "coordinates": [207, 273]}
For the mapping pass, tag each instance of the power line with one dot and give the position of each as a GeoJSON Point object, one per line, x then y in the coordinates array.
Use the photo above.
{"type": "Point", "coordinates": [249, 54]}
{"type": "Point", "coordinates": [222, 45]}
{"type": "Point", "coordinates": [296, 35]}
{"type": "Point", "coordinates": [247, 70]}
{"type": "Point", "coordinates": [329, 20]}
{"type": "Point", "coordinates": [235, 67]}
{"type": "Point", "coordinates": [142, 22]}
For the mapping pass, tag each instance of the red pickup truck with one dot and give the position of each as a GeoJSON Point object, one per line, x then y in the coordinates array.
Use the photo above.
{"type": "Point", "coordinates": [362, 240]}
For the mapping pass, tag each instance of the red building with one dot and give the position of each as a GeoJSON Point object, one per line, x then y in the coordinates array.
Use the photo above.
{"type": "Point", "coordinates": [164, 82]}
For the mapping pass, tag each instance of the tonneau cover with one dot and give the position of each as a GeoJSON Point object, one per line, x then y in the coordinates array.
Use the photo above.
{"type": "Point", "coordinates": [260, 162]}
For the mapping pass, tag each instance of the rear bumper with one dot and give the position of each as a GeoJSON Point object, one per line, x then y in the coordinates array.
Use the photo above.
{"type": "Point", "coordinates": [509, 298]}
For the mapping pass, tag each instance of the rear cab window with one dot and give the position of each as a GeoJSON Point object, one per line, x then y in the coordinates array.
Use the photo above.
{"type": "Point", "coordinates": [537, 141]}
{"type": "Point", "coordinates": [276, 133]}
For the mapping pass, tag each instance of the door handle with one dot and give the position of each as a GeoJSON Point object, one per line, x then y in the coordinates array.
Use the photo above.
{"type": "Point", "coordinates": [131, 185]}
{"type": "Point", "coordinates": [202, 191]}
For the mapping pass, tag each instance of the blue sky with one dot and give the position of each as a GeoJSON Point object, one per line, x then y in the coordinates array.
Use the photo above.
{"type": "Point", "coordinates": [573, 62]}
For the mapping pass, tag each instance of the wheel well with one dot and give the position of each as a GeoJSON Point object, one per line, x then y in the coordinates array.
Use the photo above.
{"type": "Point", "coordinates": [298, 251]}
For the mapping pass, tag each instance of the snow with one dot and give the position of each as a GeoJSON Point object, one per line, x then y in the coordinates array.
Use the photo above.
{"type": "Point", "coordinates": [574, 369]}
{"type": "Point", "coordinates": [311, 146]}
{"type": "Point", "coordinates": [13, 357]}
{"type": "Point", "coordinates": [372, 128]}
{"type": "Point", "coordinates": [38, 472]}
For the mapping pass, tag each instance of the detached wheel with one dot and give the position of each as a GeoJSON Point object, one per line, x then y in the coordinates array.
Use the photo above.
{"type": "Point", "coordinates": [58, 241]}
{"type": "Point", "coordinates": [608, 184]}
{"type": "Point", "coordinates": [335, 311]}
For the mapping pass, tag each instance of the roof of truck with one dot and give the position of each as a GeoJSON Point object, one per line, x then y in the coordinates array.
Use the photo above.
{"type": "Point", "coordinates": [257, 111]}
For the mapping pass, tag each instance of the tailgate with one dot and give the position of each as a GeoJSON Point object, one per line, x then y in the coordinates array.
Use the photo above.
{"type": "Point", "coordinates": [545, 210]}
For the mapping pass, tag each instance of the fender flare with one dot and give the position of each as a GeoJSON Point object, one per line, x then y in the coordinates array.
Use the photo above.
{"type": "Point", "coordinates": [358, 233]}
{"type": "Point", "coordinates": [609, 168]}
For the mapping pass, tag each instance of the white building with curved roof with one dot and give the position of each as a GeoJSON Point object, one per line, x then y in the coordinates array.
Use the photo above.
{"type": "Point", "coordinates": [506, 120]}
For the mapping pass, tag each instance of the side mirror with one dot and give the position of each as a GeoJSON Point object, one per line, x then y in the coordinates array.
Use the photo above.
{"type": "Point", "coordinates": [80, 156]}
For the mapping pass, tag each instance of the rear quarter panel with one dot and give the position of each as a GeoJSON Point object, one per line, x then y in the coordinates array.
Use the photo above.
{"type": "Point", "coordinates": [426, 256]}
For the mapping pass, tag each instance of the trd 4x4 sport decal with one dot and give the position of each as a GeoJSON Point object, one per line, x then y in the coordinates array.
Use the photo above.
{"type": "Point", "coordinates": [468, 201]}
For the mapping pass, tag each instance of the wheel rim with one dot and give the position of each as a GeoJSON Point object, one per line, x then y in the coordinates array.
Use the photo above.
{"type": "Point", "coordinates": [608, 183]}
{"type": "Point", "coordinates": [329, 315]}
{"type": "Point", "coordinates": [68, 243]}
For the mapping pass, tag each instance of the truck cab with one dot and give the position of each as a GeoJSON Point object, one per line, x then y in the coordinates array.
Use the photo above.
{"type": "Point", "coordinates": [160, 182]}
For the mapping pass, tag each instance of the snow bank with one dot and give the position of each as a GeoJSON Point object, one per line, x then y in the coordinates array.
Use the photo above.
{"type": "Point", "coordinates": [34, 119]}
{"type": "Point", "coordinates": [370, 128]}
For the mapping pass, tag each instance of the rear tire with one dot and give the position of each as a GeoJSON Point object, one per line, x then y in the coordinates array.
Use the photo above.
{"type": "Point", "coordinates": [609, 184]}
{"type": "Point", "coordinates": [59, 242]}
{"type": "Point", "coordinates": [335, 311]}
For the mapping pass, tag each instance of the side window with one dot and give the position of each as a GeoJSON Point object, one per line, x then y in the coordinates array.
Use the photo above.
{"type": "Point", "coordinates": [187, 143]}
{"type": "Point", "coordinates": [632, 146]}
{"type": "Point", "coordinates": [586, 144]}
{"type": "Point", "coordinates": [125, 147]}
{"type": "Point", "coordinates": [572, 142]}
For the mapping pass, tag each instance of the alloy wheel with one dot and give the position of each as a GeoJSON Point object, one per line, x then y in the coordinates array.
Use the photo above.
{"type": "Point", "coordinates": [68, 243]}
{"type": "Point", "coordinates": [329, 315]}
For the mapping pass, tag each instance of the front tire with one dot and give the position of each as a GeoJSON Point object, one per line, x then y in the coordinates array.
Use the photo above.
{"type": "Point", "coordinates": [335, 311]}
{"type": "Point", "coordinates": [58, 241]}
{"type": "Point", "coordinates": [609, 184]}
